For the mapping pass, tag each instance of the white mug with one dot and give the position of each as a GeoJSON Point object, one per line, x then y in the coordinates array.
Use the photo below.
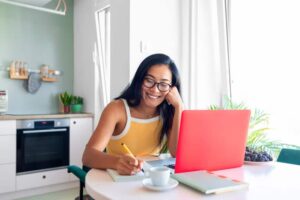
{"type": "Point", "coordinates": [159, 175]}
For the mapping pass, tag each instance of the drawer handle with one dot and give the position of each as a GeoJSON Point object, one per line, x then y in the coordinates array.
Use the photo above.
{"type": "Point", "coordinates": [74, 122]}
{"type": "Point", "coordinates": [44, 176]}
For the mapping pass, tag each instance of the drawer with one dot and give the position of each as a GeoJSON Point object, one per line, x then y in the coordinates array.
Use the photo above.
{"type": "Point", "coordinates": [8, 127]}
{"type": "Point", "coordinates": [7, 149]}
{"type": "Point", "coordinates": [7, 178]}
{"type": "Point", "coordinates": [40, 179]}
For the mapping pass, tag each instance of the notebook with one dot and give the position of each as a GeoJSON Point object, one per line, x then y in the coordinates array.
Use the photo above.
{"type": "Point", "coordinates": [208, 183]}
{"type": "Point", "coordinates": [211, 140]}
{"type": "Point", "coordinates": [123, 178]}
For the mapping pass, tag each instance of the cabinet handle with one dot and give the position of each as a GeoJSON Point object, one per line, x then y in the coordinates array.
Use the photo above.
{"type": "Point", "coordinates": [44, 176]}
{"type": "Point", "coordinates": [74, 122]}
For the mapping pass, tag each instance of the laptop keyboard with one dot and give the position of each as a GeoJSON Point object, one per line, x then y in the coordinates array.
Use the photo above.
{"type": "Point", "coordinates": [172, 166]}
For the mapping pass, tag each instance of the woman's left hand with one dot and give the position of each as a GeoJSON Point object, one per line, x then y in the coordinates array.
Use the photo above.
{"type": "Point", "coordinates": [174, 98]}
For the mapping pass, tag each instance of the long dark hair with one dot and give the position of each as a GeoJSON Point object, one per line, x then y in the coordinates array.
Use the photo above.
{"type": "Point", "coordinates": [132, 92]}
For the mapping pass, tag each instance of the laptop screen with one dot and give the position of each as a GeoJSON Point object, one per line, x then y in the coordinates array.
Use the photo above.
{"type": "Point", "coordinates": [211, 139]}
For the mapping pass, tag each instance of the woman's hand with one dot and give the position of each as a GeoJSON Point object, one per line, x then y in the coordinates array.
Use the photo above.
{"type": "Point", "coordinates": [174, 98]}
{"type": "Point", "coordinates": [128, 165]}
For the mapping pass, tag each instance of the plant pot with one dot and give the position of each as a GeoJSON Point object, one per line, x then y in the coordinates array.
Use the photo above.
{"type": "Point", "coordinates": [66, 109]}
{"type": "Point", "coordinates": [76, 108]}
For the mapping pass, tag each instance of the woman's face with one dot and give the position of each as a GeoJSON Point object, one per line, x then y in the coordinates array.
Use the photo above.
{"type": "Point", "coordinates": [153, 97]}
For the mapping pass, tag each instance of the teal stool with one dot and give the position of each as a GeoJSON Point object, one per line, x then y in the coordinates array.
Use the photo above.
{"type": "Point", "coordinates": [291, 156]}
{"type": "Point", "coordinates": [81, 174]}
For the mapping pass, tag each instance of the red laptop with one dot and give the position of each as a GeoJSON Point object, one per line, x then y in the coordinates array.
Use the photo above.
{"type": "Point", "coordinates": [211, 139]}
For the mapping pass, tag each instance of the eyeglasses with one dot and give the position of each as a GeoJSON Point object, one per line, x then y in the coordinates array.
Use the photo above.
{"type": "Point", "coordinates": [162, 86]}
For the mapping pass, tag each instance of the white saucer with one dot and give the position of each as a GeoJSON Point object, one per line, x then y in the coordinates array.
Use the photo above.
{"type": "Point", "coordinates": [171, 184]}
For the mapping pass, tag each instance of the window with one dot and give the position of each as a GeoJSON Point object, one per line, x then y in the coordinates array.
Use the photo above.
{"type": "Point", "coordinates": [102, 59]}
{"type": "Point", "coordinates": [265, 44]}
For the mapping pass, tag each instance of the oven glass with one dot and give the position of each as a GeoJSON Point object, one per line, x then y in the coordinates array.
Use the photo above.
{"type": "Point", "coordinates": [42, 150]}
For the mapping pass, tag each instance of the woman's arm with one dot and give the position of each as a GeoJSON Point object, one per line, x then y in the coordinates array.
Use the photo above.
{"type": "Point", "coordinates": [94, 156]}
{"type": "Point", "coordinates": [174, 98]}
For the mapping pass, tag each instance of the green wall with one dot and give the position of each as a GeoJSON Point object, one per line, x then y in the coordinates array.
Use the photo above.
{"type": "Point", "coordinates": [37, 38]}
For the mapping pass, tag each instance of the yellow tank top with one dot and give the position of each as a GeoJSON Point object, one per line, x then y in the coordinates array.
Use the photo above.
{"type": "Point", "coordinates": [140, 135]}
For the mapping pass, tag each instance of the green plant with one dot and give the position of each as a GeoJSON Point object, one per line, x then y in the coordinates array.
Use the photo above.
{"type": "Point", "coordinates": [258, 128]}
{"type": "Point", "coordinates": [77, 100]}
{"type": "Point", "coordinates": [164, 148]}
{"type": "Point", "coordinates": [66, 98]}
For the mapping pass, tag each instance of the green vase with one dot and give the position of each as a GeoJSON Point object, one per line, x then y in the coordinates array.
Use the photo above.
{"type": "Point", "coordinates": [76, 108]}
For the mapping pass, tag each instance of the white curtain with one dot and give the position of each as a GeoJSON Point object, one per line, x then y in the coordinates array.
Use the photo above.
{"type": "Point", "coordinates": [205, 53]}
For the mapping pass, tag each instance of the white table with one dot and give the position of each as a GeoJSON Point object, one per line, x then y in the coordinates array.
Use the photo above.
{"type": "Point", "coordinates": [274, 181]}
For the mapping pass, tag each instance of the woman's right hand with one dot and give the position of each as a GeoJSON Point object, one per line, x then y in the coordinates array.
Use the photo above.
{"type": "Point", "coordinates": [128, 165]}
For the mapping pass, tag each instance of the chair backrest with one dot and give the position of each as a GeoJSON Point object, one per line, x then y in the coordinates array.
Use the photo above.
{"type": "Point", "coordinates": [291, 156]}
{"type": "Point", "coordinates": [80, 173]}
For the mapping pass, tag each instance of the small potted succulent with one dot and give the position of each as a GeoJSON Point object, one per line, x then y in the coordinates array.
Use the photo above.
{"type": "Point", "coordinates": [66, 99]}
{"type": "Point", "coordinates": [76, 104]}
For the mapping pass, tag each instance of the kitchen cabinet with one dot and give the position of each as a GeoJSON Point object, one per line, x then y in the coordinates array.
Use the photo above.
{"type": "Point", "coordinates": [7, 156]}
{"type": "Point", "coordinates": [40, 179]}
{"type": "Point", "coordinates": [7, 178]}
{"type": "Point", "coordinates": [81, 130]}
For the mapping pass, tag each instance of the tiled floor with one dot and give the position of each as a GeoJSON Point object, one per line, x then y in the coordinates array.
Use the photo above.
{"type": "Point", "coordinates": [70, 194]}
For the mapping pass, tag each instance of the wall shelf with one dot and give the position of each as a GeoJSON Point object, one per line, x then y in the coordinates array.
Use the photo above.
{"type": "Point", "coordinates": [49, 79]}
{"type": "Point", "coordinates": [19, 77]}
{"type": "Point", "coordinates": [23, 74]}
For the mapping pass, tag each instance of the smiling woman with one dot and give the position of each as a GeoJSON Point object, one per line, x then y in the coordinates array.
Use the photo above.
{"type": "Point", "coordinates": [146, 112]}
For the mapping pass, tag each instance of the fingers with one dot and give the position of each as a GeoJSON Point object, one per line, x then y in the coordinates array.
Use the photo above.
{"type": "Point", "coordinates": [173, 97]}
{"type": "Point", "coordinates": [140, 164]}
{"type": "Point", "coordinates": [128, 165]}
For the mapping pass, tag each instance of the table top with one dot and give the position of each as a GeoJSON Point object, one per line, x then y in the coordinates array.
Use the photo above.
{"type": "Point", "coordinates": [270, 181]}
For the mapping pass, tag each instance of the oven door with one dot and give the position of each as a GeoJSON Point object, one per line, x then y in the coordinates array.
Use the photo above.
{"type": "Point", "coordinates": [42, 149]}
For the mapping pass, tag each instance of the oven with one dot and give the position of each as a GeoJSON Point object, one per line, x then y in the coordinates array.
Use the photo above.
{"type": "Point", "coordinates": [42, 145]}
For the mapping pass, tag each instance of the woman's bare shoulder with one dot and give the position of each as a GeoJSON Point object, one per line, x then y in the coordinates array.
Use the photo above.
{"type": "Point", "coordinates": [115, 104]}
{"type": "Point", "coordinates": [115, 107]}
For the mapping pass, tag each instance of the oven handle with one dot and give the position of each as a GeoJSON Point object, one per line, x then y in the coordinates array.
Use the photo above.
{"type": "Point", "coordinates": [45, 131]}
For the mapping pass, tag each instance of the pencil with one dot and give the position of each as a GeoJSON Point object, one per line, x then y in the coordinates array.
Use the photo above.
{"type": "Point", "coordinates": [129, 152]}
{"type": "Point", "coordinates": [127, 149]}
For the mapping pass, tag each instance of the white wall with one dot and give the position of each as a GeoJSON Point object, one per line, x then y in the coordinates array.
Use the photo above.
{"type": "Point", "coordinates": [120, 51]}
{"type": "Point", "coordinates": [84, 39]}
{"type": "Point", "coordinates": [132, 21]}
{"type": "Point", "coordinates": [156, 25]}
{"type": "Point", "coordinates": [162, 26]}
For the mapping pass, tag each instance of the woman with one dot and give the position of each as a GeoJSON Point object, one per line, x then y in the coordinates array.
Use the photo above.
{"type": "Point", "coordinates": [147, 110]}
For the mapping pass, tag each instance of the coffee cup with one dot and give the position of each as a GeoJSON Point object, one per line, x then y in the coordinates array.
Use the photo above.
{"type": "Point", "coordinates": [159, 175]}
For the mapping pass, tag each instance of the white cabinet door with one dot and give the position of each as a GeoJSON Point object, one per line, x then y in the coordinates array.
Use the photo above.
{"type": "Point", "coordinates": [7, 155]}
{"type": "Point", "coordinates": [8, 139]}
{"type": "Point", "coordinates": [7, 149]}
{"type": "Point", "coordinates": [8, 127]}
{"type": "Point", "coordinates": [7, 178]}
{"type": "Point", "coordinates": [81, 130]}
{"type": "Point", "coordinates": [40, 179]}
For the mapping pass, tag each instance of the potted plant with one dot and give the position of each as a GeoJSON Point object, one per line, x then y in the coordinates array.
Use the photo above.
{"type": "Point", "coordinates": [66, 99]}
{"type": "Point", "coordinates": [76, 104]}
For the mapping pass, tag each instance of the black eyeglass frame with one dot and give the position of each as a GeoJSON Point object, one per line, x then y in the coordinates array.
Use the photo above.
{"type": "Point", "coordinates": [157, 84]}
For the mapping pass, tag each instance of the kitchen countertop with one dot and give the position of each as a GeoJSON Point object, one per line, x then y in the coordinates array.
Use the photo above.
{"type": "Point", "coordinates": [45, 116]}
